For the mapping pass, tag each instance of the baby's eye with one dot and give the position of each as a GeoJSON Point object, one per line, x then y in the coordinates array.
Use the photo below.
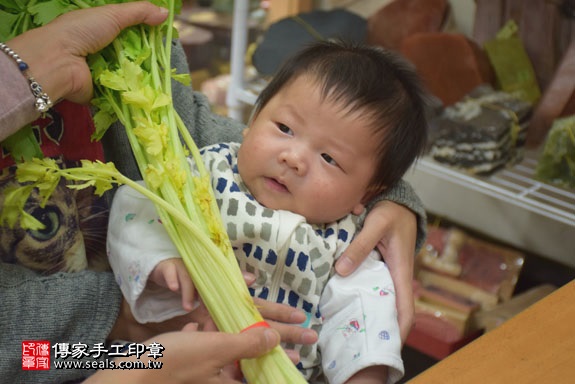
{"type": "Point", "coordinates": [329, 159]}
{"type": "Point", "coordinates": [285, 129]}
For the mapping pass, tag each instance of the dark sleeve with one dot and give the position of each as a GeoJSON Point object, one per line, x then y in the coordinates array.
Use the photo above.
{"type": "Point", "coordinates": [404, 194]}
{"type": "Point", "coordinates": [77, 307]}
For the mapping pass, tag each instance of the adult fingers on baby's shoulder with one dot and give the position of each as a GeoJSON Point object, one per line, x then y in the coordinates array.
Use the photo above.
{"type": "Point", "coordinates": [399, 258]}
{"type": "Point", "coordinates": [363, 243]}
{"type": "Point", "coordinates": [377, 227]}
{"type": "Point", "coordinates": [406, 318]}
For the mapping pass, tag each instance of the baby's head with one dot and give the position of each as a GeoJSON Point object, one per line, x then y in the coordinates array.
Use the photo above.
{"type": "Point", "coordinates": [337, 125]}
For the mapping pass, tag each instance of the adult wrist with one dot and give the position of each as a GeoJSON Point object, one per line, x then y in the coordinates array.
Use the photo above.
{"type": "Point", "coordinates": [47, 61]}
{"type": "Point", "coordinates": [42, 101]}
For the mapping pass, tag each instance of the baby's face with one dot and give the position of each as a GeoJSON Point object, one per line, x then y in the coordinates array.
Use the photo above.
{"type": "Point", "coordinates": [308, 156]}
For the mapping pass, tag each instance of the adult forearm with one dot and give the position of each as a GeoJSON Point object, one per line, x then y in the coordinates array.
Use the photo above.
{"type": "Point", "coordinates": [65, 307]}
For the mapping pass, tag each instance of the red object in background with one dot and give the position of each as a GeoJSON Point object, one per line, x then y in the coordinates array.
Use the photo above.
{"type": "Point", "coordinates": [436, 337]}
{"type": "Point", "coordinates": [450, 64]}
{"type": "Point", "coordinates": [490, 267]}
{"type": "Point", "coordinates": [395, 21]}
{"type": "Point", "coordinates": [65, 131]}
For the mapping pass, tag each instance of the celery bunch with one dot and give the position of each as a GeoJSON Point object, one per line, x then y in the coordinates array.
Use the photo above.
{"type": "Point", "coordinates": [132, 82]}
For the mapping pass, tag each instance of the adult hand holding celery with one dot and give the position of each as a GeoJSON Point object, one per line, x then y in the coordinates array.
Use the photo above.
{"type": "Point", "coordinates": [132, 83]}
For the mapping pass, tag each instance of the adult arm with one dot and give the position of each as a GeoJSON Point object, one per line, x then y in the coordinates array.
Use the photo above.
{"type": "Point", "coordinates": [396, 214]}
{"type": "Point", "coordinates": [64, 307]}
{"type": "Point", "coordinates": [83, 307]}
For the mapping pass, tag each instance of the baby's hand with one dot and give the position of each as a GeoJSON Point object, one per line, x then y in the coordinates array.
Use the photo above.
{"type": "Point", "coordinates": [172, 274]}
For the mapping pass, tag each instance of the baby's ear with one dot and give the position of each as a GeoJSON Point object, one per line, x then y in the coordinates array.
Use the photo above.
{"type": "Point", "coordinates": [358, 209]}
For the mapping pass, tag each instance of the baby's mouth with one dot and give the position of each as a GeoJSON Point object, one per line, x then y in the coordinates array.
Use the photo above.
{"type": "Point", "coordinates": [276, 185]}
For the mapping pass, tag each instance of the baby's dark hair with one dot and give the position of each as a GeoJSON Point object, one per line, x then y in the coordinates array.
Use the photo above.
{"type": "Point", "coordinates": [373, 80]}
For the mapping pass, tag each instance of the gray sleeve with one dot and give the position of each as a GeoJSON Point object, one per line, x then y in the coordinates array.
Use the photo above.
{"type": "Point", "coordinates": [17, 107]}
{"type": "Point", "coordinates": [65, 307]}
{"type": "Point", "coordinates": [403, 193]}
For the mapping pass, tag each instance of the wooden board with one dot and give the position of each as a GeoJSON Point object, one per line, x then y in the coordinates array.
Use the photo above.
{"type": "Point", "coordinates": [536, 346]}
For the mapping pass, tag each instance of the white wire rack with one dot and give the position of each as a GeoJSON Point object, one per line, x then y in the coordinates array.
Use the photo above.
{"type": "Point", "coordinates": [510, 205]}
{"type": "Point", "coordinates": [517, 186]}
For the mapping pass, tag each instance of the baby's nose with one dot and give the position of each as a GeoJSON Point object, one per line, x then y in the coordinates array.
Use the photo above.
{"type": "Point", "coordinates": [295, 160]}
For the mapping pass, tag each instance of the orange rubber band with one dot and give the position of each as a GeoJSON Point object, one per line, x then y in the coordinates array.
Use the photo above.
{"type": "Point", "coordinates": [263, 324]}
{"type": "Point", "coordinates": [257, 325]}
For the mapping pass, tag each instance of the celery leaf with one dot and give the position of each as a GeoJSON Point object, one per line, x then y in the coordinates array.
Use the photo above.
{"type": "Point", "coordinates": [45, 12]}
{"type": "Point", "coordinates": [22, 145]}
{"type": "Point", "coordinates": [9, 24]}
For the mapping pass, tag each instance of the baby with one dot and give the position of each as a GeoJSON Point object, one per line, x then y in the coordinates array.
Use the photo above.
{"type": "Point", "coordinates": [336, 126]}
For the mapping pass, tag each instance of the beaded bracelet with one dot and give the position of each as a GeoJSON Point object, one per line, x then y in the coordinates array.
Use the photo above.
{"type": "Point", "coordinates": [43, 102]}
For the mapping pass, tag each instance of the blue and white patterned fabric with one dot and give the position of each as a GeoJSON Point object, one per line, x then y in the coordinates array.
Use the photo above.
{"type": "Point", "coordinates": [291, 259]}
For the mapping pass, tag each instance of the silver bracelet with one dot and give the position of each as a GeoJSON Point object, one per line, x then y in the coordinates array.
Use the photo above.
{"type": "Point", "coordinates": [43, 102]}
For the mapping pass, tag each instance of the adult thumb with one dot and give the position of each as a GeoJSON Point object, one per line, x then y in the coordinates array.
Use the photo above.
{"type": "Point", "coordinates": [251, 343]}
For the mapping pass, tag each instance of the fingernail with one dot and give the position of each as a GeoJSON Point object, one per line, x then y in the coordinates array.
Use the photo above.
{"type": "Point", "coordinates": [344, 265]}
{"type": "Point", "coordinates": [308, 337]}
{"type": "Point", "coordinates": [272, 338]}
{"type": "Point", "coordinates": [297, 317]}
{"type": "Point", "coordinates": [163, 10]}
{"type": "Point", "coordinates": [248, 277]}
